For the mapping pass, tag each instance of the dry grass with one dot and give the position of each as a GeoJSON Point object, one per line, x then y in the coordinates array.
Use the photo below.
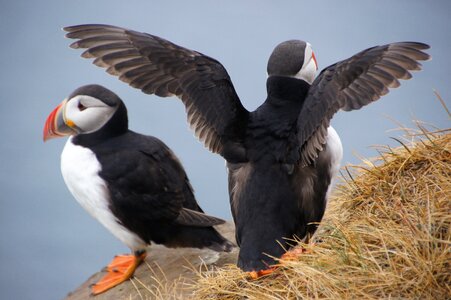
{"type": "Point", "coordinates": [386, 234]}
{"type": "Point", "coordinates": [162, 287]}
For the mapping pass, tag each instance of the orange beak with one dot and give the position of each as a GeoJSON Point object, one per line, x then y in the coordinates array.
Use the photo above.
{"type": "Point", "coordinates": [314, 59]}
{"type": "Point", "coordinates": [55, 125]}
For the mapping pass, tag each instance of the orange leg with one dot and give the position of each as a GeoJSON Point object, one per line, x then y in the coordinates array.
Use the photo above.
{"type": "Point", "coordinates": [119, 270]}
{"type": "Point", "coordinates": [289, 255]}
{"type": "Point", "coordinates": [294, 253]}
{"type": "Point", "coordinates": [257, 274]}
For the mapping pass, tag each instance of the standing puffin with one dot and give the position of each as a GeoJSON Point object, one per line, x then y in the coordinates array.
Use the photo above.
{"type": "Point", "coordinates": [282, 157]}
{"type": "Point", "coordinates": [132, 184]}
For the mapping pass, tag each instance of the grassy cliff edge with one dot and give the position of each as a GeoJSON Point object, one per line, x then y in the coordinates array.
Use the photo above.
{"type": "Point", "coordinates": [386, 234]}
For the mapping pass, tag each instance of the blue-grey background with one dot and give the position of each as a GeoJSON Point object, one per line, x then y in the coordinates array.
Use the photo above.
{"type": "Point", "coordinates": [48, 244]}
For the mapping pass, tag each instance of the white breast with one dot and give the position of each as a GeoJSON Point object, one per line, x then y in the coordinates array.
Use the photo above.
{"type": "Point", "coordinates": [80, 170]}
{"type": "Point", "coordinates": [335, 148]}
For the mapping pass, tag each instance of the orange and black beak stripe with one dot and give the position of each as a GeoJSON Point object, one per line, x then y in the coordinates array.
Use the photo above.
{"type": "Point", "coordinates": [56, 125]}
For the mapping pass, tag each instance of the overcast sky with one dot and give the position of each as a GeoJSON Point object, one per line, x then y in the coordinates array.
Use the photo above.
{"type": "Point", "coordinates": [48, 244]}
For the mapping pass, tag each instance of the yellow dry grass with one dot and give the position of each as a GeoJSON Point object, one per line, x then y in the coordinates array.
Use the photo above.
{"type": "Point", "coordinates": [386, 234]}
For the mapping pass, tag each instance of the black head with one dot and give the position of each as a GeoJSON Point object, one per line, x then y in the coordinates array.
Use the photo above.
{"type": "Point", "coordinates": [99, 92]}
{"type": "Point", "coordinates": [293, 58]}
{"type": "Point", "coordinates": [89, 110]}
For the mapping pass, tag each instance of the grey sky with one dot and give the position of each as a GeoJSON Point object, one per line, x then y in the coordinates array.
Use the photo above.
{"type": "Point", "coordinates": [48, 244]}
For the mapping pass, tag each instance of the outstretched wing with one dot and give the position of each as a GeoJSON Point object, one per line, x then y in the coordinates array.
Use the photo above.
{"type": "Point", "coordinates": [157, 66]}
{"type": "Point", "coordinates": [351, 84]}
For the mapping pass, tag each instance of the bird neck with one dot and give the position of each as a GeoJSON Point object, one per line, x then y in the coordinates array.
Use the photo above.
{"type": "Point", "coordinates": [117, 125]}
{"type": "Point", "coordinates": [286, 89]}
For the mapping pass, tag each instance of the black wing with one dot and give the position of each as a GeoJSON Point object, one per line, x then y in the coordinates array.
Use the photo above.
{"type": "Point", "coordinates": [148, 184]}
{"type": "Point", "coordinates": [157, 66]}
{"type": "Point", "coordinates": [351, 84]}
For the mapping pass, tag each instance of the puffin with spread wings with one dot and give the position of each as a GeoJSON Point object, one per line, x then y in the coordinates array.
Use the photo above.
{"type": "Point", "coordinates": [282, 157]}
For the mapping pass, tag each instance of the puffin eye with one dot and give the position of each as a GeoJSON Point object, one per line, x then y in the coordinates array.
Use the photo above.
{"type": "Point", "coordinates": [81, 107]}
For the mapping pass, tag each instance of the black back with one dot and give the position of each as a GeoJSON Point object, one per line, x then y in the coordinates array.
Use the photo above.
{"type": "Point", "coordinates": [268, 194]}
{"type": "Point", "coordinates": [148, 187]}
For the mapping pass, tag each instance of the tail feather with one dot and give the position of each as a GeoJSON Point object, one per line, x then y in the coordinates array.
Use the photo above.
{"type": "Point", "coordinates": [200, 237]}
{"type": "Point", "coordinates": [189, 217]}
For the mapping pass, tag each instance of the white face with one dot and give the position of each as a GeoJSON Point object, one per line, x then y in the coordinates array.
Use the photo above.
{"type": "Point", "coordinates": [87, 113]}
{"type": "Point", "coordinates": [309, 68]}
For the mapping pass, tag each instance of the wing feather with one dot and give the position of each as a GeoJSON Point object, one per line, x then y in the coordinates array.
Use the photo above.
{"type": "Point", "coordinates": [352, 84]}
{"type": "Point", "coordinates": [157, 66]}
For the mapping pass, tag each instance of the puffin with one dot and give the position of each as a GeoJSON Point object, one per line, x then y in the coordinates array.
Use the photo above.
{"type": "Point", "coordinates": [282, 157]}
{"type": "Point", "coordinates": [133, 184]}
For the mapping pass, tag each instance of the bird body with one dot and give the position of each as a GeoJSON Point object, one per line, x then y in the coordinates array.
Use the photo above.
{"type": "Point", "coordinates": [133, 184]}
{"type": "Point", "coordinates": [80, 169]}
{"type": "Point", "coordinates": [273, 197]}
{"type": "Point", "coordinates": [282, 157]}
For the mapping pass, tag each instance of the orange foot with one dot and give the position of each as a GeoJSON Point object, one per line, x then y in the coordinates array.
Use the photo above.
{"type": "Point", "coordinates": [119, 270]}
{"type": "Point", "coordinates": [293, 253]}
{"type": "Point", "coordinates": [289, 255]}
{"type": "Point", "coordinates": [257, 274]}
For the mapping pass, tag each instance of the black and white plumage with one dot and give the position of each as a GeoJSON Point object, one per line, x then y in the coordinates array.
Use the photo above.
{"type": "Point", "coordinates": [282, 156]}
{"type": "Point", "coordinates": [132, 184]}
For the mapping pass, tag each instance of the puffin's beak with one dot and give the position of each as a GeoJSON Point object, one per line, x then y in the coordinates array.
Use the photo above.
{"type": "Point", "coordinates": [314, 58]}
{"type": "Point", "coordinates": [56, 125]}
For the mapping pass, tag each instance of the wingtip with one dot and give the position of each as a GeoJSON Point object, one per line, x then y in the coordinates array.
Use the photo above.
{"type": "Point", "coordinates": [79, 27]}
{"type": "Point", "coordinates": [73, 27]}
{"type": "Point", "coordinates": [416, 45]}
{"type": "Point", "coordinates": [69, 30]}
{"type": "Point", "coordinates": [70, 34]}
{"type": "Point", "coordinates": [66, 28]}
{"type": "Point", "coordinates": [74, 45]}
{"type": "Point", "coordinates": [422, 46]}
{"type": "Point", "coordinates": [100, 63]}
{"type": "Point", "coordinates": [425, 46]}
{"type": "Point", "coordinates": [87, 54]}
